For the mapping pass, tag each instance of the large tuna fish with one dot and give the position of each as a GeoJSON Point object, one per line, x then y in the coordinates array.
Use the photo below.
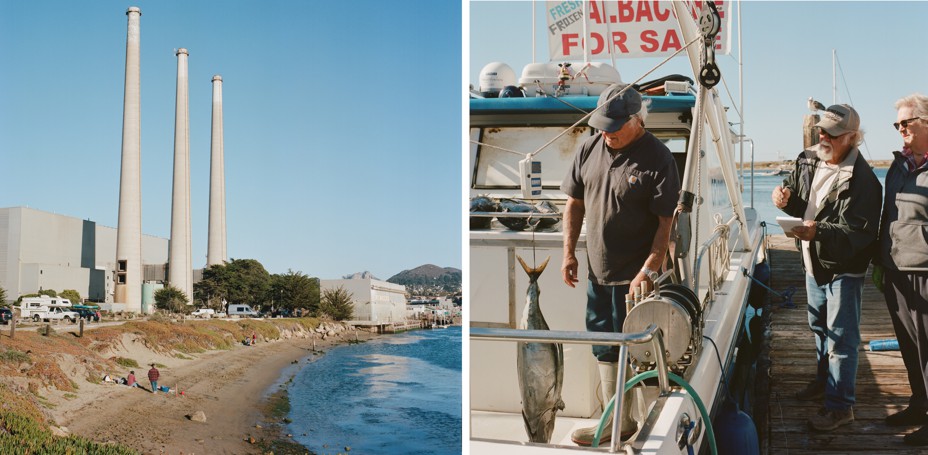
{"type": "Point", "coordinates": [541, 367]}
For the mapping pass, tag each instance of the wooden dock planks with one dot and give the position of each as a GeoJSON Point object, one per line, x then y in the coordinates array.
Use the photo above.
{"type": "Point", "coordinates": [882, 386]}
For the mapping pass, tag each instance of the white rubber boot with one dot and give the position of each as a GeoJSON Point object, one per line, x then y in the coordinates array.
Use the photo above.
{"type": "Point", "coordinates": [607, 375]}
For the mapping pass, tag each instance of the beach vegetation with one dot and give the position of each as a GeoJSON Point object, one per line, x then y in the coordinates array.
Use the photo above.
{"type": "Point", "coordinates": [172, 299]}
{"type": "Point", "coordinates": [2, 295]}
{"type": "Point", "coordinates": [337, 304]}
{"type": "Point", "coordinates": [72, 295]}
{"type": "Point", "coordinates": [14, 356]}
{"type": "Point", "coordinates": [126, 362]}
{"type": "Point", "coordinates": [25, 429]}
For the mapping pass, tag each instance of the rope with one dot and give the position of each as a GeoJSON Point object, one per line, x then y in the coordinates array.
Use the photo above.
{"type": "Point", "coordinates": [621, 92]}
{"type": "Point", "coordinates": [786, 296]}
{"type": "Point", "coordinates": [848, 91]}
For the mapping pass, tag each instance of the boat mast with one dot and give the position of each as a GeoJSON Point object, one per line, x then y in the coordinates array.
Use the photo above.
{"type": "Point", "coordinates": [586, 36]}
{"type": "Point", "coordinates": [714, 116]}
{"type": "Point", "coordinates": [834, 78]}
{"type": "Point", "coordinates": [533, 32]}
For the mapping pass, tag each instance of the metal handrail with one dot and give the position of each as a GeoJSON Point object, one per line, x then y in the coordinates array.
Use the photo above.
{"type": "Point", "coordinates": [650, 334]}
{"type": "Point", "coordinates": [702, 251]}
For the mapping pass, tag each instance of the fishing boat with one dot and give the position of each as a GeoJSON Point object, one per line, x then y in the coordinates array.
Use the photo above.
{"type": "Point", "coordinates": [522, 145]}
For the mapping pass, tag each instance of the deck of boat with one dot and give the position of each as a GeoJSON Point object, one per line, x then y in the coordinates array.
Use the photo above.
{"type": "Point", "coordinates": [882, 386]}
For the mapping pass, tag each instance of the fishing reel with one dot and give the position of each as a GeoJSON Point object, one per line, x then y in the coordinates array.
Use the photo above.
{"type": "Point", "coordinates": [675, 309]}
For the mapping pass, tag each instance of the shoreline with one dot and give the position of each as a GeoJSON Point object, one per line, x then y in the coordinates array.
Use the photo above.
{"type": "Point", "coordinates": [276, 405]}
{"type": "Point", "coordinates": [236, 389]}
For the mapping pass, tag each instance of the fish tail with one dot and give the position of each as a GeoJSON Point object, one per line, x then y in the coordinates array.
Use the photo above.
{"type": "Point", "coordinates": [533, 274]}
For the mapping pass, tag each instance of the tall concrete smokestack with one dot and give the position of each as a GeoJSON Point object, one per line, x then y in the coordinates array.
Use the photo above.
{"type": "Point", "coordinates": [216, 248]}
{"type": "Point", "coordinates": [128, 288]}
{"type": "Point", "coordinates": [180, 269]}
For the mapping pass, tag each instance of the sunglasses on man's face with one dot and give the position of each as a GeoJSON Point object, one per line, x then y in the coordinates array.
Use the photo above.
{"type": "Point", "coordinates": [905, 123]}
{"type": "Point", "coordinates": [825, 133]}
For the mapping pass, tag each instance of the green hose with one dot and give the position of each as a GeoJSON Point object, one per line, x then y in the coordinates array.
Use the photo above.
{"type": "Point", "coordinates": [679, 381]}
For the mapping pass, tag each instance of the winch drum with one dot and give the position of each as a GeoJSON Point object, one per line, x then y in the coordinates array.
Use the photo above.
{"type": "Point", "coordinates": [671, 317]}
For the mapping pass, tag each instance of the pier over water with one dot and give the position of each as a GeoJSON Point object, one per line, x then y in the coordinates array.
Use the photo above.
{"type": "Point", "coordinates": [882, 386]}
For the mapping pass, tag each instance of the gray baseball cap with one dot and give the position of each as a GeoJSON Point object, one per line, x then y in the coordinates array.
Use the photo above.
{"type": "Point", "coordinates": [617, 112]}
{"type": "Point", "coordinates": [839, 119]}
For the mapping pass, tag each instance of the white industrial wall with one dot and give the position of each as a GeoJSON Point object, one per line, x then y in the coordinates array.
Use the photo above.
{"type": "Point", "coordinates": [43, 250]}
{"type": "Point", "coordinates": [374, 300]}
{"type": "Point", "coordinates": [43, 276]}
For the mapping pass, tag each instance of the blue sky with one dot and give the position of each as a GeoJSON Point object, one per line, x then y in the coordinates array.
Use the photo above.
{"type": "Point", "coordinates": [787, 58]}
{"type": "Point", "coordinates": [342, 124]}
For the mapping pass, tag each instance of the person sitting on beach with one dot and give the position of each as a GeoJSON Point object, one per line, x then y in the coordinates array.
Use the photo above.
{"type": "Point", "coordinates": [153, 376]}
{"type": "Point", "coordinates": [131, 381]}
{"type": "Point", "coordinates": [254, 338]}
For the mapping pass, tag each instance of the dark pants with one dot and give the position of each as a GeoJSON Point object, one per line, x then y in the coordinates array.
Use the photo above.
{"type": "Point", "coordinates": [907, 298]}
{"type": "Point", "coordinates": [605, 312]}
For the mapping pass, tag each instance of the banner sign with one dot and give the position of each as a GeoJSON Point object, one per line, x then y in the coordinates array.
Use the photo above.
{"type": "Point", "coordinates": [623, 28]}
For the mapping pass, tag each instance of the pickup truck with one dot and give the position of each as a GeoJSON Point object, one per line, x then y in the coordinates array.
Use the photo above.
{"type": "Point", "coordinates": [55, 313]}
{"type": "Point", "coordinates": [204, 313]}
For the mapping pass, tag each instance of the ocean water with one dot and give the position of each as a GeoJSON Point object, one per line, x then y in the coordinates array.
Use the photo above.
{"type": "Point", "coordinates": [763, 188]}
{"type": "Point", "coordinates": [396, 394]}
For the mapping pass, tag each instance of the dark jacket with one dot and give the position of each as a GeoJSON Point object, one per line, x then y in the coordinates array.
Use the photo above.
{"type": "Point", "coordinates": [848, 220]}
{"type": "Point", "coordinates": [905, 219]}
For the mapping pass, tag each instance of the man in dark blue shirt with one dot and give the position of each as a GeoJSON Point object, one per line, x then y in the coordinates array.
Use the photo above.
{"type": "Point", "coordinates": [625, 182]}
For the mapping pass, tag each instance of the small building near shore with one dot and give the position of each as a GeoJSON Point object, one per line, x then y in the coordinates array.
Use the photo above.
{"type": "Point", "coordinates": [374, 300]}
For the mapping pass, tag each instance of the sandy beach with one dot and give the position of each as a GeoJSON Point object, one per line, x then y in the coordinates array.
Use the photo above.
{"type": "Point", "coordinates": [230, 387]}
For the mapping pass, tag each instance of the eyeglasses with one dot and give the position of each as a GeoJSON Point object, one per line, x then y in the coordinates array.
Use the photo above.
{"type": "Point", "coordinates": [825, 133]}
{"type": "Point", "coordinates": [905, 123]}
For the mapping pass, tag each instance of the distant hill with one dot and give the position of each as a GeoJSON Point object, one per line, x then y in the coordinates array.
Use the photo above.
{"type": "Point", "coordinates": [360, 276]}
{"type": "Point", "coordinates": [429, 279]}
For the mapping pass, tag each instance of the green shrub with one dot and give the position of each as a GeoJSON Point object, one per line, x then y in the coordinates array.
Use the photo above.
{"type": "Point", "coordinates": [126, 363]}
{"type": "Point", "coordinates": [14, 356]}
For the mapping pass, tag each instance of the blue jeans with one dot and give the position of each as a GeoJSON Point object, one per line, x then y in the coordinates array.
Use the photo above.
{"type": "Point", "coordinates": [154, 386]}
{"type": "Point", "coordinates": [605, 312]}
{"type": "Point", "coordinates": [834, 317]}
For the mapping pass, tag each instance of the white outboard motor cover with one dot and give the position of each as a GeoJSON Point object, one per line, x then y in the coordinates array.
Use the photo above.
{"type": "Point", "coordinates": [588, 78]}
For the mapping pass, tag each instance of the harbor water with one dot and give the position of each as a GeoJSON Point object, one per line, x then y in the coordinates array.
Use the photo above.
{"type": "Point", "coordinates": [763, 188]}
{"type": "Point", "coordinates": [395, 394]}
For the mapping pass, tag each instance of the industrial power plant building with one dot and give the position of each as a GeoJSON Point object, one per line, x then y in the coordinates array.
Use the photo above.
{"type": "Point", "coordinates": [374, 300]}
{"type": "Point", "coordinates": [42, 250]}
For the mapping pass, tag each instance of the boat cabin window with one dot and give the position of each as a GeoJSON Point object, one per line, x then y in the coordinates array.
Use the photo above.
{"type": "Point", "coordinates": [496, 163]}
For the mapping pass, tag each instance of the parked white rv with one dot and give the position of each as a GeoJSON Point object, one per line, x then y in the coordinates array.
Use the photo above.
{"type": "Point", "coordinates": [30, 306]}
{"type": "Point", "coordinates": [46, 308]}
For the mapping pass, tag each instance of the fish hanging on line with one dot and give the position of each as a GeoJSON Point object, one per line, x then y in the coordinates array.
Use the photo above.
{"type": "Point", "coordinates": [540, 366]}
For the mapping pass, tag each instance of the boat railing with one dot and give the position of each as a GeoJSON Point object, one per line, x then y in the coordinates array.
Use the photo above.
{"type": "Point", "coordinates": [651, 334]}
{"type": "Point", "coordinates": [719, 256]}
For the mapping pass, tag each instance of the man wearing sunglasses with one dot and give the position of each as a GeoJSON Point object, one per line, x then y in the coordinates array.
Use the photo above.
{"type": "Point", "coordinates": [833, 189]}
{"type": "Point", "coordinates": [903, 258]}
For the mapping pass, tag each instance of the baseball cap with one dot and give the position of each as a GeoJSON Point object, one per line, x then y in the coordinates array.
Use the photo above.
{"type": "Point", "coordinates": [839, 119]}
{"type": "Point", "coordinates": [617, 112]}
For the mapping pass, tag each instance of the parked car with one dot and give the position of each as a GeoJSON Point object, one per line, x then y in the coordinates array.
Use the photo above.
{"type": "Point", "coordinates": [204, 313]}
{"type": "Point", "coordinates": [6, 315]}
{"type": "Point", "coordinates": [87, 314]}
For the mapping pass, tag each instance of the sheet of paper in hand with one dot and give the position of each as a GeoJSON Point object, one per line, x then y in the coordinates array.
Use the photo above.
{"type": "Point", "coordinates": [788, 223]}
